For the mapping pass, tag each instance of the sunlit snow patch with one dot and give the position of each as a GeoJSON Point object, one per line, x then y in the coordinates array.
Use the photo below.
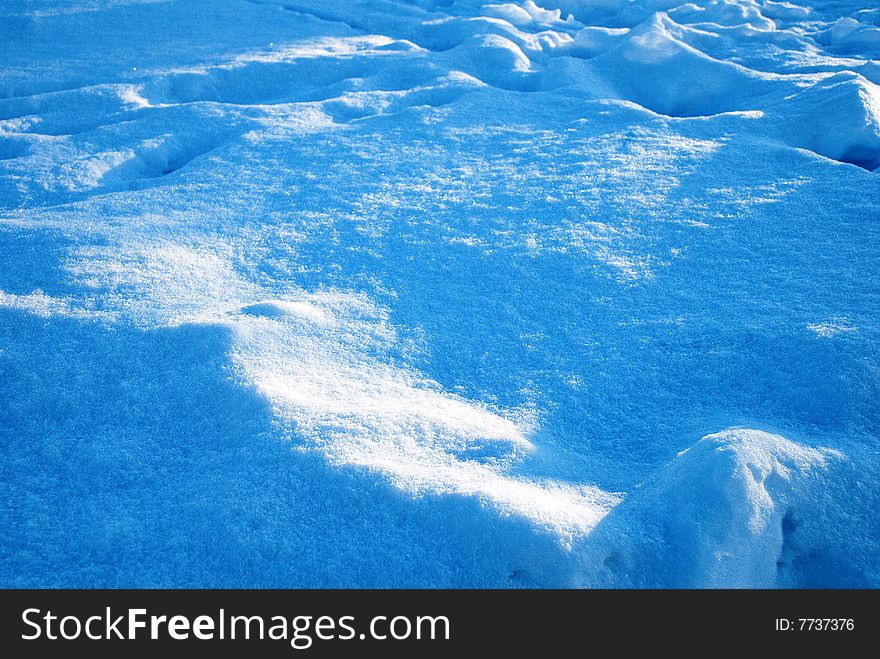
{"type": "Point", "coordinates": [316, 360]}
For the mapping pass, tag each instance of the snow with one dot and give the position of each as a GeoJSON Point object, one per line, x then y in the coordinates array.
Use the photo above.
{"type": "Point", "coordinates": [542, 293]}
{"type": "Point", "coordinates": [724, 513]}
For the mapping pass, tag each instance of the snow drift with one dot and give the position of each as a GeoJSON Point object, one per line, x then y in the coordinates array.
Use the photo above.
{"type": "Point", "coordinates": [417, 293]}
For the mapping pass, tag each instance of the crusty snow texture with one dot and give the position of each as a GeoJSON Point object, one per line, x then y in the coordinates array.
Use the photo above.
{"type": "Point", "coordinates": [543, 293]}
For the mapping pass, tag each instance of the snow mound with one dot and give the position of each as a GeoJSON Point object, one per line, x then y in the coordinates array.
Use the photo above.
{"type": "Point", "coordinates": [283, 309]}
{"type": "Point", "coordinates": [657, 70]}
{"type": "Point", "coordinates": [524, 15]}
{"type": "Point", "coordinates": [728, 13]}
{"type": "Point", "coordinates": [849, 35]}
{"type": "Point", "coordinates": [594, 40]}
{"type": "Point", "coordinates": [839, 118]}
{"type": "Point", "coordinates": [720, 515]}
{"type": "Point", "coordinates": [495, 60]}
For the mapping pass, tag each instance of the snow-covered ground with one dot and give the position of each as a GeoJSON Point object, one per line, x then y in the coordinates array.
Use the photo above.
{"type": "Point", "coordinates": [439, 293]}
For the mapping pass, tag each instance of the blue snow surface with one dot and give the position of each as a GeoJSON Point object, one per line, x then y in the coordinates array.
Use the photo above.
{"type": "Point", "coordinates": [422, 293]}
